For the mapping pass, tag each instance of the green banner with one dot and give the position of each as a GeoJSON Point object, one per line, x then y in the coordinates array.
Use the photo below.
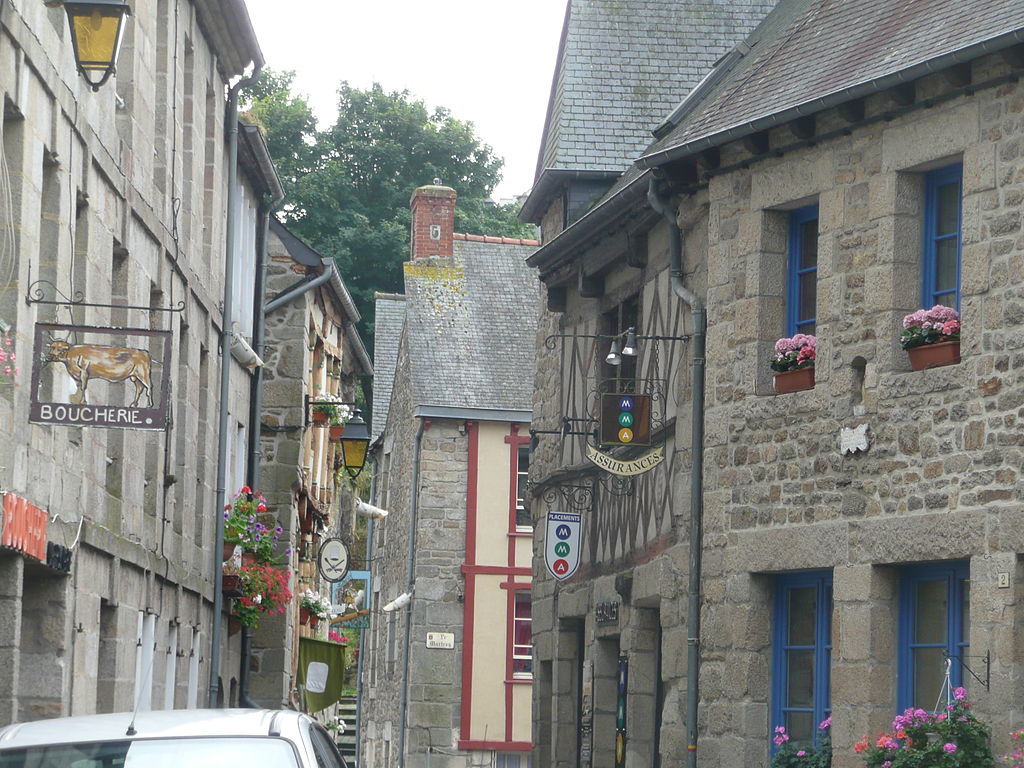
{"type": "Point", "coordinates": [320, 673]}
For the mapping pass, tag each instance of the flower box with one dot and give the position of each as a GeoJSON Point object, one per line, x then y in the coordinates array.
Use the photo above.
{"type": "Point", "coordinates": [304, 615]}
{"type": "Point", "coordinates": [795, 380]}
{"type": "Point", "coordinates": [934, 355]}
{"type": "Point", "coordinates": [336, 431]}
{"type": "Point", "coordinates": [320, 418]}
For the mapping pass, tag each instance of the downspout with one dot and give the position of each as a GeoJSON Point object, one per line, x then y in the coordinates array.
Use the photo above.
{"type": "Point", "coordinates": [225, 378]}
{"type": "Point", "coordinates": [414, 507]}
{"type": "Point", "coordinates": [700, 326]}
{"type": "Point", "coordinates": [252, 473]}
{"type": "Point", "coordinates": [307, 285]}
{"type": "Point", "coordinates": [367, 604]}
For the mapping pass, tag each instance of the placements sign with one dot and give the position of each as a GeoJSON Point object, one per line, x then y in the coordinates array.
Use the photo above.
{"type": "Point", "coordinates": [562, 544]}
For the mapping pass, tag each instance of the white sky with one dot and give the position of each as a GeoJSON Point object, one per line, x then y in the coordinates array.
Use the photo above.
{"type": "Point", "coordinates": [489, 62]}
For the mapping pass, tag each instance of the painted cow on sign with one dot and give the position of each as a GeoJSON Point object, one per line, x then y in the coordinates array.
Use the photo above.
{"type": "Point", "coordinates": [96, 361]}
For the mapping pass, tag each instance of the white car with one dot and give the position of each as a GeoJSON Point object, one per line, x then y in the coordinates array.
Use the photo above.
{"type": "Point", "coordinates": [197, 738]}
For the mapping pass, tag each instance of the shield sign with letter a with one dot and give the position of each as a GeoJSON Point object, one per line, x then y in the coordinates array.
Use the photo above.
{"type": "Point", "coordinates": [562, 544]}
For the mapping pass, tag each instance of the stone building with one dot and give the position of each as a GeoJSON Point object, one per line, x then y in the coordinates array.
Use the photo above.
{"type": "Point", "coordinates": [121, 202]}
{"type": "Point", "coordinates": [313, 349]}
{"type": "Point", "coordinates": [446, 676]}
{"type": "Point", "coordinates": [845, 143]}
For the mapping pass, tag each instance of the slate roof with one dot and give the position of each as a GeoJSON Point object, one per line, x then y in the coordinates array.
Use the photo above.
{"type": "Point", "coordinates": [471, 323]}
{"type": "Point", "coordinates": [623, 65]}
{"type": "Point", "coordinates": [808, 51]}
{"type": "Point", "coordinates": [387, 333]}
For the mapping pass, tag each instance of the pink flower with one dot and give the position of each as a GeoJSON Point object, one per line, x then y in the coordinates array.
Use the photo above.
{"type": "Point", "coordinates": [949, 748]}
{"type": "Point", "coordinates": [950, 327]}
{"type": "Point", "coordinates": [800, 753]}
{"type": "Point", "coordinates": [825, 724]}
{"type": "Point", "coordinates": [960, 693]}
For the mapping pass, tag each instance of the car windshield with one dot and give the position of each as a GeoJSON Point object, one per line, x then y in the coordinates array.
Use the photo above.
{"type": "Point", "coordinates": [156, 753]}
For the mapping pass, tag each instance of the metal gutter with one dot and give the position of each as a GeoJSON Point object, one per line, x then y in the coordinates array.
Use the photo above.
{"type": "Point", "coordinates": [850, 93]}
{"type": "Point", "coordinates": [225, 381]}
{"type": "Point", "coordinates": [471, 414]}
{"type": "Point", "coordinates": [547, 184]}
{"type": "Point", "coordinates": [696, 535]}
{"type": "Point", "coordinates": [295, 291]}
{"type": "Point", "coordinates": [556, 253]}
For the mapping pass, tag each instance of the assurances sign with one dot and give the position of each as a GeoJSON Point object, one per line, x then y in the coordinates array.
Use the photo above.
{"type": "Point", "coordinates": [87, 376]}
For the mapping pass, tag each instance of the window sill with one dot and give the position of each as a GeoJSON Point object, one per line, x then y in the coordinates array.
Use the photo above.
{"type": "Point", "coordinates": [520, 680]}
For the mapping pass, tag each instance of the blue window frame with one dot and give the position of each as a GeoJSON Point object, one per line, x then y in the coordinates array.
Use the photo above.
{"type": "Point", "coordinates": [802, 288]}
{"type": "Point", "coordinates": [934, 622]}
{"type": "Point", "coordinates": [942, 224]}
{"type": "Point", "coordinates": [802, 653]}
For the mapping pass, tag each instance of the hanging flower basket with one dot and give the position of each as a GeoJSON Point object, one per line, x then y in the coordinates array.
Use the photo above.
{"type": "Point", "coordinates": [234, 625]}
{"type": "Point", "coordinates": [229, 550]}
{"type": "Point", "coordinates": [314, 621]}
{"type": "Point", "coordinates": [934, 355]}
{"type": "Point", "coordinates": [304, 615]}
{"type": "Point", "coordinates": [320, 418]}
{"type": "Point", "coordinates": [794, 381]}
{"type": "Point", "coordinates": [231, 585]}
{"type": "Point", "coordinates": [249, 559]}
{"type": "Point", "coordinates": [336, 431]}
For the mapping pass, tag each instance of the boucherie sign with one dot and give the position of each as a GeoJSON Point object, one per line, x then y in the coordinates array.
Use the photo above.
{"type": "Point", "coordinates": [85, 376]}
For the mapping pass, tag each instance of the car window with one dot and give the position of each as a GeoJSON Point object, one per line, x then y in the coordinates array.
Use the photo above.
{"type": "Point", "coordinates": [157, 753]}
{"type": "Point", "coordinates": [326, 753]}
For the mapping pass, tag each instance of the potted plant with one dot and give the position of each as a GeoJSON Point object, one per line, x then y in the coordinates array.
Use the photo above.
{"type": "Point", "coordinates": [264, 590]}
{"type": "Point", "coordinates": [246, 525]}
{"type": "Point", "coordinates": [794, 363]}
{"type": "Point", "coordinates": [789, 754]}
{"type": "Point", "coordinates": [932, 337]}
{"type": "Point", "coordinates": [312, 607]}
{"type": "Point", "coordinates": [951, 738]}
{"type": "Point", "coordinates": [329, 409]}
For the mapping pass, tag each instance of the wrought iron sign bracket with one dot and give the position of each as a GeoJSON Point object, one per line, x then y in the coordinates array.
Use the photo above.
{"type": "Point", "coordinates": [37, 294]}
{"type": "Point", "coordinates": [565, 431]}
{"type": "Point", "coordinates": [986, 662]}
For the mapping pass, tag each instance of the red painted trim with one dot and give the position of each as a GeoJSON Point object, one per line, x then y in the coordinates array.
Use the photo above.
{"type": "Point", "coordinates": [514, 439]}
{"type": "Point", "coordinates": [494, 570]}
{"type": "Point", "coordinates": [501, 746]}
{"type": "Point", "coordinates": [469, 606]}
{"type": "Point", "coordinates": [520, 681]}
{"type": "Point", "coordinates": [515, 585]}
{"type": "Point", "coordinates": [510, 638]}
{"type": "Point", "coordinates": [521, 534]}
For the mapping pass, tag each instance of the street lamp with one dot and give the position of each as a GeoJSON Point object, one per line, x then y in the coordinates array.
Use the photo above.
{"type": "Point", "coordinates": [354, 443]}
{"type": "Point", "coordinates": [97, 27]}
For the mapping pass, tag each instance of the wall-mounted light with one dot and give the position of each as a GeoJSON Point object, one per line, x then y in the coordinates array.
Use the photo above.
{"type": "Point", "coordinates": [97, 28]}
{"type": "Point", "coordinates": [354, 444]}
{"type": "Point", "coordinates": [368, 510]}
{"type": "Point", "coordinates": [399, 602]}
{"type": "Point", "coordinates": [629, 348]}
{"type": "Point", "coordinates": [614, 358]}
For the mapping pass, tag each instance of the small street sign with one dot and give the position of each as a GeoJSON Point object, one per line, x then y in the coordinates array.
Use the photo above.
{"type": "Point", "coordinates": [445, 640]}
{"type": "Point", "coordinates": [562, 544]}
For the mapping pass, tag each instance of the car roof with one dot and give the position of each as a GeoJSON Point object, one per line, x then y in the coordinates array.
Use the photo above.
{"type": "Point", "coordinates": [175, 723]}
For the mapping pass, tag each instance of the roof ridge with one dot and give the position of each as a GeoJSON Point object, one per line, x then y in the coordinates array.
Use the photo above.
{"type": "Point", "coordinates": [493, 239]}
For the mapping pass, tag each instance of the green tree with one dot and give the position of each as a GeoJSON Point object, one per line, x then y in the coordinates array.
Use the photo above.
{"type": "Point", "coordinates": [348, 187]}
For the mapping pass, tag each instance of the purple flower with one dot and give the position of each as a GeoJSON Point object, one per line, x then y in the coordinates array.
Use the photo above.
{"type": "Point", "coordinates": [949, 748]}
{"type": "Point", "coordinates": [960, 693]}
{"type": "Point", "coordinates": [825, 724]}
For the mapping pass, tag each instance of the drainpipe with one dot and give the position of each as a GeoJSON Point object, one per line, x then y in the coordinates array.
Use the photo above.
{"type": "Point", "coordinates": [368, 605]}
{"type": "Point", "coordinates": [302, 287]}
{"type": "Point", "coordinates": [252, 474]}
{"type": "Point", "coordinates": [414, 511]}
{"type": "Point", "coordinates": [225, 377]}
{"type": "Point", "coordinates": [700, 325]}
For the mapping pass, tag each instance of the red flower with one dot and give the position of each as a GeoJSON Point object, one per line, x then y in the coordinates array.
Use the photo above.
{"type": "Point", "coordinates": [261, 507]}
{"type": "Point", "coordinates": [245, 489]}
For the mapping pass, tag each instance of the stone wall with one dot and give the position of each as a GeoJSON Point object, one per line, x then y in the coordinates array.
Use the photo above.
{"type": "Point", "coordinates": [940, 480]}
{"type": "Point", "coordinates": [98, 209]}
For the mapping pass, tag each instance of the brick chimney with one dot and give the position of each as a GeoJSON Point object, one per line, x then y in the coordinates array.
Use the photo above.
{"type": "Point", "coordinates": [433, 220]}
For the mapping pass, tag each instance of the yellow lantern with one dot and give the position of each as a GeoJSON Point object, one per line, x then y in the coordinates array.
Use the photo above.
{"type": "Point", "coordinates": [97, 27]}
{"type": "Point", "coordinates": [354, 444]}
